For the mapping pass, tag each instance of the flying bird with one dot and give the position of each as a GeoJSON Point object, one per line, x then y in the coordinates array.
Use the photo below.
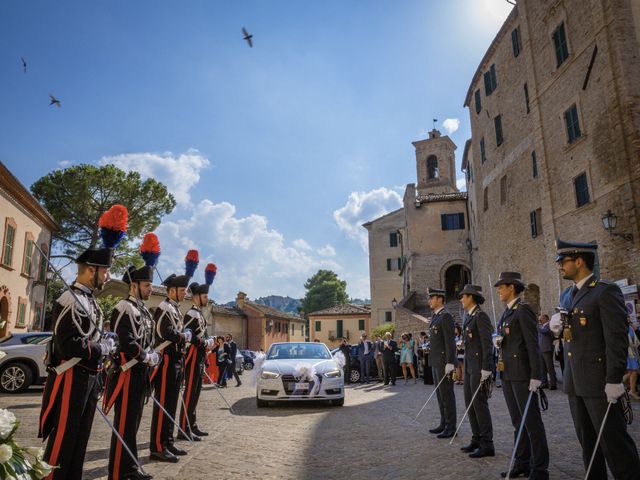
{"type": "Point", "coordinates": [54, 101]}
{"type": "Point", "coordinates": [24, 64]}
{"type": "Point", "coordinates": [247, 36]}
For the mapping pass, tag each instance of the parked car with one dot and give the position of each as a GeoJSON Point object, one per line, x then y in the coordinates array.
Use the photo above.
{"type": "Point", "coordinates": [295, 371]}
{"type": "Point", "coordinates": [239, 363]}
{"type": "Point", "coordinates": [248, 356]}
{"type": "Point", "coordinates": [22, 360]}
{"type": "Point", "coordinates": [355, 365]}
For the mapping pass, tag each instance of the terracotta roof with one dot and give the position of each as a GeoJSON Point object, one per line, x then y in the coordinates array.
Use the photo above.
{"type": "Point", "coordinates": [344, 309]}
{"type": "Point", "coordinates": [221, 309]}
{"type": "Point", "coordinates": [273, 312]}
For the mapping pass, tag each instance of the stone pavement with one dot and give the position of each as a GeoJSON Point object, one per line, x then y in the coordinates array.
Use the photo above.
{"type": "Point", "coordinates": [370, 437]}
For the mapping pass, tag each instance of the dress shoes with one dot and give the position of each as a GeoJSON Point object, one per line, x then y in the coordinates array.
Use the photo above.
{"type": "Point", "coordinates": [472, 447]}
{"type": "Point", "coordinates": [137, 475]}
{"type": "Point", "coordinates": [437, 430]}
{"type": "Point", "coordinates": [239, 383]}
{"type": "Point", "coordinates": [446, 434]}
{"type": "Point", "coordinates": [516, 472]}
{"type": "Point", "coordinates": [175, 450]}
{"type": "Point", "coordinates": [482, 452]}
{"type": "Point", "coordinates": [164, 456]}
{"type": "Point", "coordinates": [199, 432]}
{"type": "Point", "coordinates": [553, 387]}
{"type": "Point", "coordinates": [193, 437]}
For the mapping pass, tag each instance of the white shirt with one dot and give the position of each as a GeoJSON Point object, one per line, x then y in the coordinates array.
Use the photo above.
{"type": "Point", "coordinates": [581, 283]}
{"type": "Point", "coordinates": [473, 309]}
{"type": "Point", "coordinates": [438, 311]}
{"type": "Point", "coordinates": [366, 347]}
{"type": "Point", "coordinates": [512, 302]}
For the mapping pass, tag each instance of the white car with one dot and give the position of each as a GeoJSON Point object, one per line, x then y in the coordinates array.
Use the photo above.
{"type": "Point", "coordinates": [299, 371]}
{"type": "Point", "coordinates": [22, 361]}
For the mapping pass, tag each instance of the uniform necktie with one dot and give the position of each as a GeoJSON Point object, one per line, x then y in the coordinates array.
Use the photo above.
{"type": "Point", "coordinates": [574, 292]}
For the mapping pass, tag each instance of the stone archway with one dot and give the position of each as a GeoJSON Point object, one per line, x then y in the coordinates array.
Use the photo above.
{"type": "Point", "coordinates": [532, 297]}
{"type": "Point", "coordinates": [455, 277]}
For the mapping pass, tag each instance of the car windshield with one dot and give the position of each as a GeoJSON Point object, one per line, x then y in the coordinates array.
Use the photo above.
{"type": "Point", "coordinates": [298, 350]}
{"type": "Point", "coordinates": [35, 339]}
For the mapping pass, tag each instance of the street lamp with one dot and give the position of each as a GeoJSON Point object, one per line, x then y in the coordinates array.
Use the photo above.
{"type": "Point", "coordinates": [610, 222]}
{"type": "Point", "coordinates": [394, 302]}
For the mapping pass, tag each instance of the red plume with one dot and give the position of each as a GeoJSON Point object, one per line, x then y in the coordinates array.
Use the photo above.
{"type": "Point", "coordinates": [192, 255]}
{"type": "Point", "coordinates": [115, 218]}
{"type": "Point", "coordinates": [150, 243]}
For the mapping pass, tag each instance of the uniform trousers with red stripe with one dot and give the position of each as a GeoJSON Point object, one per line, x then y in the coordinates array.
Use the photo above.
{"type": "Point", "coordinates": [128, 409]}
{"type": "Point", "coordinates": [166, 389]}
{"type": "Point", "coordinates": [74, 411]}
{"type": "Point", "coordinates": [194, 371]}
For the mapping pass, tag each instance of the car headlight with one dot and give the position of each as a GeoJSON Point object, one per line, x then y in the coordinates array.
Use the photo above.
{"type": "Point", "coordinates": [333, 374]}
{"type": "Point", "coordinates": [267, 375]}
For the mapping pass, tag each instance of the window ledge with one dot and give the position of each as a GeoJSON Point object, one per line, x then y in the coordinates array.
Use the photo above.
{"type": "Point", "coordinates": [24, 275]}
{"type": "Point", "coordinates": [570, 146]}
{"type": "Point", "coordinates": [7, 267]}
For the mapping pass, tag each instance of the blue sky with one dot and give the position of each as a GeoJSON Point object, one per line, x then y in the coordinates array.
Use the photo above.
{"type": "Point", "coordinates": [276, 154]}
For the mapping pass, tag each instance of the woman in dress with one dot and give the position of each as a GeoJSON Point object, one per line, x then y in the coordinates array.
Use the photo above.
{"type": "Point", "coordinates": [459, 372]}
{"type": "Point", "coordinates": [406, 357]}
{"type": "Point", "coordinates": [632, 363]}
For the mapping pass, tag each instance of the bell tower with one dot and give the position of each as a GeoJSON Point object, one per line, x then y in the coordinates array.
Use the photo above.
{"type": "Point", "coordinates": [435, 164]}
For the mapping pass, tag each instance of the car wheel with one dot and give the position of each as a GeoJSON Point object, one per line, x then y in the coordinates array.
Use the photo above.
{"type": "Point", "coordinates": [261, 403]}
{"type": "Point", "coordinates": [248, 366]}
{"type": "Point", "coordinates": [15, 378]}
{"type": "Point", "coordinates": [355, 376]}
{"type": "Point", "coordinates": [338, 403]}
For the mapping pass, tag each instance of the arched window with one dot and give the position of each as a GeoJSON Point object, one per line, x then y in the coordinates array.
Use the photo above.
{"type": "Point", "coordinates": [432, 167]}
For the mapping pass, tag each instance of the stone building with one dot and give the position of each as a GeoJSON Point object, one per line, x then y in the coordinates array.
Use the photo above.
{"type": "Point", "coordinates": [432, 230]}
{"type": "Point", "coordinates": [332, 324]}
{"type": "Point", "coordinates": [23, 270]}
{"type": "Point", "coordinates": [555, 120]}
{"type": "Point", "coordinates": [385, 265]}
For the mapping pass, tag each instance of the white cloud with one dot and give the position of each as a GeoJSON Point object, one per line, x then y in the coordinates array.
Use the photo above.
{"type": "Point", "coordinates": [301, 244]}
{"type": "Point", "coordinates": [250, 256]}
{"type": "Point", "coordinates": [461, 183]}
{"type": "Point", "coordinates": [64, 163]}
{"type": "Point", "coordinates": [178, 173]}
{"type": "Point", "coordinates": [450, 125]}
{"type": "Point", "coordinates": [327, 251]}
{"type": "Point", "coordinates": [362, 207]}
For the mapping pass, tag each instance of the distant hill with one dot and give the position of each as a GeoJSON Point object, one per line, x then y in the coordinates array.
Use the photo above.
{"type": "Point", "coordinates": [285, 304]}
{"type": "Point", "coordinates": [357, 301]}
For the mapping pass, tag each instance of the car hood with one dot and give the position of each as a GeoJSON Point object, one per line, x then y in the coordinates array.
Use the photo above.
{"type": "Point", "coordinates": [293, 366]}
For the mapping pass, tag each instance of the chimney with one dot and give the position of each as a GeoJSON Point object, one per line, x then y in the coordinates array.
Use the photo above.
{"type": "Point", "coordinates": [240, 299]}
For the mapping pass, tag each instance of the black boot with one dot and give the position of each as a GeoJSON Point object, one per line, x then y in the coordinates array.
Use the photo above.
{"type": "Point", "coordinates": [137, 475]}
{"type": "Point", "coordinates": [164, 456]}
{"type": "Point", "coordinates": [483, 452]}
{"type": "Point", "coordinates": [199, 432]}
{"type": "Point", "coordinates": [470, 448]}
{"type": "Point", "coordinates": [516, 472]}
{"type": "Point", "coordinates": [439, 429]}
{"type": "Point", "coordinates": [175, 450]}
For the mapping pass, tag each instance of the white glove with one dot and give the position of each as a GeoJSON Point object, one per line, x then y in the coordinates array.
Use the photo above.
{"type": "Point", "coordinates": [187, 336]}
{"type": "Point", "coordinates": [555, 324]}
{"type": "Point", "coordinates": [497, 340]}
{"type": "Point", "coordinates": [556, 346]}
{"type": "Point", "coordinates": [534, 385]}
{"type": "Point", "coordinates": [152, 359]}
{"type": "Point", "coordinates": [614, 391]}
{"type": "Point", "coordinates": [484, 374]}
{"type": "Point", "coordinates": [108, 346]}
{"type": "Point", "coordinates": [209, 343]}
{"type": "Point", "coordinates": [448, 368]}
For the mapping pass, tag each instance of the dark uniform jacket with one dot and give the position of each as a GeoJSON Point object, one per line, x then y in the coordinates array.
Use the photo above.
{"type": "Point", "coordinates": [389, 354]}
{"type": "Point", "coordinates": [133, 324]}
{"type": "Point", "coordinates": [169, 327]}
{"type": "Point", "coordinates": [545, 338]}
{"type": "Point", "coordinates": [477, 331]}
{"type": "Point", "coordinates": [442, 340]}
{"type": "Point", "coordinates": [597, 351]}
{"type": "Point", "coordinates": [194, 321]}
{"type": "Point", "coordinates": [75, 334]}
{"type": "Point", "coordinates": [520, 350]}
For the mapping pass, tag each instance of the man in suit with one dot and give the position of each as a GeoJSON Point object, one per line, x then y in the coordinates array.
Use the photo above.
{"type": "Point", "coordinates": [377, 354]}
{"type": "Point", "coordinates": [233, 347]}
{"type": "Point", "coordinates": [517, 339]}
{"type": "Point", "coordinates": [345, 348]}
{"type": "Point", "coordinates": [389, 349]}
{"type": "Point", "coordinates": [443, 360]}
{"type": "Point", "coordinates": [595, 336]}
{"type": "Point", "coordinates": [478, 360]}
{"type": "Point", "coordinates": [545, 340]}
{"type": "Point", "coordinates": [365, 354]}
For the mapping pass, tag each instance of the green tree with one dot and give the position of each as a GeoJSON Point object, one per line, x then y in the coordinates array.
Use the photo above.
{"type": "Point", "coordinates": [324, 290]}
{"type": "Point", "coordinates": [382, 329]}
{"type": "Point", "coordinates": [78, 195]}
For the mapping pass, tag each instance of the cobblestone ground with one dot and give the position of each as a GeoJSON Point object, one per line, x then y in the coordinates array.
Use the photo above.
{"type": "Point", "coordinates": [370, 437]}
